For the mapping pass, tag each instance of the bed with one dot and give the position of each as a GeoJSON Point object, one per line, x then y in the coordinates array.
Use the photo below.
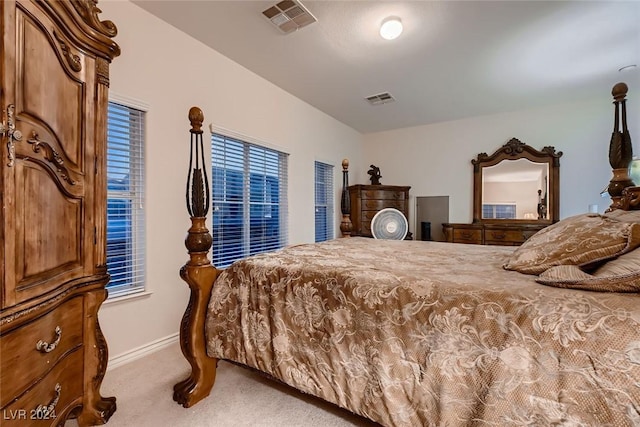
{"type": "Point", "coordinates": [429, 333]}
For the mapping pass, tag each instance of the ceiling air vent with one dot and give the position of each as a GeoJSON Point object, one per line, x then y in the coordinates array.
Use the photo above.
{"type": "Point", "coordinates": [381, 98]}
{"type": "Point", "coordinates": [289, 15]}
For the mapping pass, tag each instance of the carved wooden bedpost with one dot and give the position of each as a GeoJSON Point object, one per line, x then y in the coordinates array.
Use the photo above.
{"type": "Point", "coordinates": [199, 274]}
{"type": "Point", "coordinates": [620, 149]}
{"type": "Point", "coordinates": [345, 204]}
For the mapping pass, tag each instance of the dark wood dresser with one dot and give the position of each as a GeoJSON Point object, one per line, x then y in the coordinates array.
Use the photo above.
{"type": "Point", "coordinates": [490, 233]}
{"type": "Point", "coordinates": [55, 77]}
{"type": "Point", "coordinates": [367, 200]}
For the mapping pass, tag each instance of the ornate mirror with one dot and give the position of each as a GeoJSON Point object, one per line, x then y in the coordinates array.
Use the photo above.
{"type": "Point", "coordinates": [517, 184]}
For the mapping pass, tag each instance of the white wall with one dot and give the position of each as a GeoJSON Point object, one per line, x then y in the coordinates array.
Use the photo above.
{"type": "Point", "coordinates": [435, 160]}
{"type": "Point", "coordinates": [171, 72]}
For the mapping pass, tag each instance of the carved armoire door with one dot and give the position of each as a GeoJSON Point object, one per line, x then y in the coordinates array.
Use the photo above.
{"type": "Point", "coordinates": [49, 162]}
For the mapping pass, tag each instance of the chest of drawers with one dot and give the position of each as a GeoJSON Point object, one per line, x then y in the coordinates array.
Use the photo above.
{"type": "Point", "coordinates": [367, 200]}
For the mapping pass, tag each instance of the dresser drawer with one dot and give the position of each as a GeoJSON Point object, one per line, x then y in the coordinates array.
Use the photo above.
{"type": "Point", "coordinates": [38, 345]}
{"type": "Point", "coordinates": [503, 237]}
{"type": "Point", "coordinates": [509, 236]}
{"type": "Point", "coordinates": [382, 195]}
{"type": "Point", "coordinates": [467, 235]}
{"type": "Point", "coordinates": [376, 205]}
{"type": "Point", "coordinates": [56, 392]}
{"type": "Point", "coordinates": [368, 215]}
{"type": "Point", "coordinates": [366, 228]}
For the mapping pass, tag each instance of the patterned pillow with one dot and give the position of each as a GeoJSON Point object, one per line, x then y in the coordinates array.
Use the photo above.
{"type": "Point", "coordinates": [624, 265]}
{"type": "Point", "coordinates": [627, 216]}
{"type": "Point", "coordinates": [580, 240]}
{"type": "Point", "coordinates": [619, 275]}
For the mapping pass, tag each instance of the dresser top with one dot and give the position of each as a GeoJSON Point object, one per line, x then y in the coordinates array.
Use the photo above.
{"type": "Point", "coordinates": [380, 187]}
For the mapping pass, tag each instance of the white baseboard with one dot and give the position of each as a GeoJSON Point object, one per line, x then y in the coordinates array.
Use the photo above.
{"type": "Point", "coordinates": [144, 350]}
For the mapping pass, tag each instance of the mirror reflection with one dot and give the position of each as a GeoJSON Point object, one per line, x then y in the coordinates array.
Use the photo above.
{"type": "Point", "coordinates": [515, 189]}
{"type": "Point", "coordinates": [634, 170]}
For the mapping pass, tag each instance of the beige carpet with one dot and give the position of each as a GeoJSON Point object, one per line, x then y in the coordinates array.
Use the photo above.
{"type": "Point", "coordinates": [144, 389]}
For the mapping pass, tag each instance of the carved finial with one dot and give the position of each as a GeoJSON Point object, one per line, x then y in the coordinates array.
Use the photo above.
{"type": "Point", "coordinates": [619, 91]}
{"type": "Point", "coordinates": [345, 164]}
{"type": "Point", "coordinates": [196, 117]}
{"type": "Point", "coordinates": [197, 182]}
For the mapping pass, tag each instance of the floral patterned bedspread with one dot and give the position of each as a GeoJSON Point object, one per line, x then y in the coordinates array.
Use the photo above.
{"type": "Point", "coordinates": [411, 333]}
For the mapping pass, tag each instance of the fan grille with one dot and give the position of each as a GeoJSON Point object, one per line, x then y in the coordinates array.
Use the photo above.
{"type": "Point", "coordinates": [389, 223]}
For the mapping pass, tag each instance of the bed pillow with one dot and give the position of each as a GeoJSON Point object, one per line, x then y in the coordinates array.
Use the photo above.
{"type": "Point", "coordinates": [627, 216]}
{"type": "Point", "coordinates": [581, 240]}
{"type": "Point", "coordinates": [624, 265]}
{"type": "Point", "coordinates": [619, 275]}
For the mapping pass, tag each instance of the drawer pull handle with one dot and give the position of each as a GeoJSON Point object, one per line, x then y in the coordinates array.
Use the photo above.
{"type": "Point", "coordinates": [47, 412]}
{"type": "Point", "coordinates": [498, 236]}
{"type": "Point", "coordinates": [45, 347]}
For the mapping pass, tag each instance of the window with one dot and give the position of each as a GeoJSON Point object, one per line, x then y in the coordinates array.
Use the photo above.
{"type": "Point", "coordinates": [324, 201]}
{"type": "Point", "coordinates": [249, 191]}
{"type": "Point", "coordinates": [125, 199]}
{"type": "Point", "coordinates": [499, 211]}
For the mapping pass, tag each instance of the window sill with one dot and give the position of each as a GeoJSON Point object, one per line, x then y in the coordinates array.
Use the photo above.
{"type": "Point", "coordinates": [127, 297]}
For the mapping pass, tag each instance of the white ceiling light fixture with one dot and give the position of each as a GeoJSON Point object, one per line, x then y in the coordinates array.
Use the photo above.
{"type": "Point", "coordinates": [391, 28]}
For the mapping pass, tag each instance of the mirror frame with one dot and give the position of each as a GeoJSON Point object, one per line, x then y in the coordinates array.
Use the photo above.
{"type": "Point", "coordinates": [513, 150]}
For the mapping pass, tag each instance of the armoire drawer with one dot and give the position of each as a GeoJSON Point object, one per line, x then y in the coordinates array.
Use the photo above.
{"type": "Point", "coordinates": [50, 398]}
{"type": "Point", "coordinates": [30, 346]}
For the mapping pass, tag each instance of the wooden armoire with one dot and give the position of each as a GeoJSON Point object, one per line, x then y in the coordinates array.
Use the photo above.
{"type": "Point", "coordinates": [54, 71]}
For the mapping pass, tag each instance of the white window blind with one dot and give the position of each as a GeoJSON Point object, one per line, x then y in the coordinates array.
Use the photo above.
{"type": "Point", "coordinates": [324, 201]}
{"type": "Point", "coordinates": [249, 192]}
{"type": "Point", "coordinates": [125, 199]}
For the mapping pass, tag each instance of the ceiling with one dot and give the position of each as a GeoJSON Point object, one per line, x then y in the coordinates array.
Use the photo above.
{"type": "Point", "coordinates": [455, 59]}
